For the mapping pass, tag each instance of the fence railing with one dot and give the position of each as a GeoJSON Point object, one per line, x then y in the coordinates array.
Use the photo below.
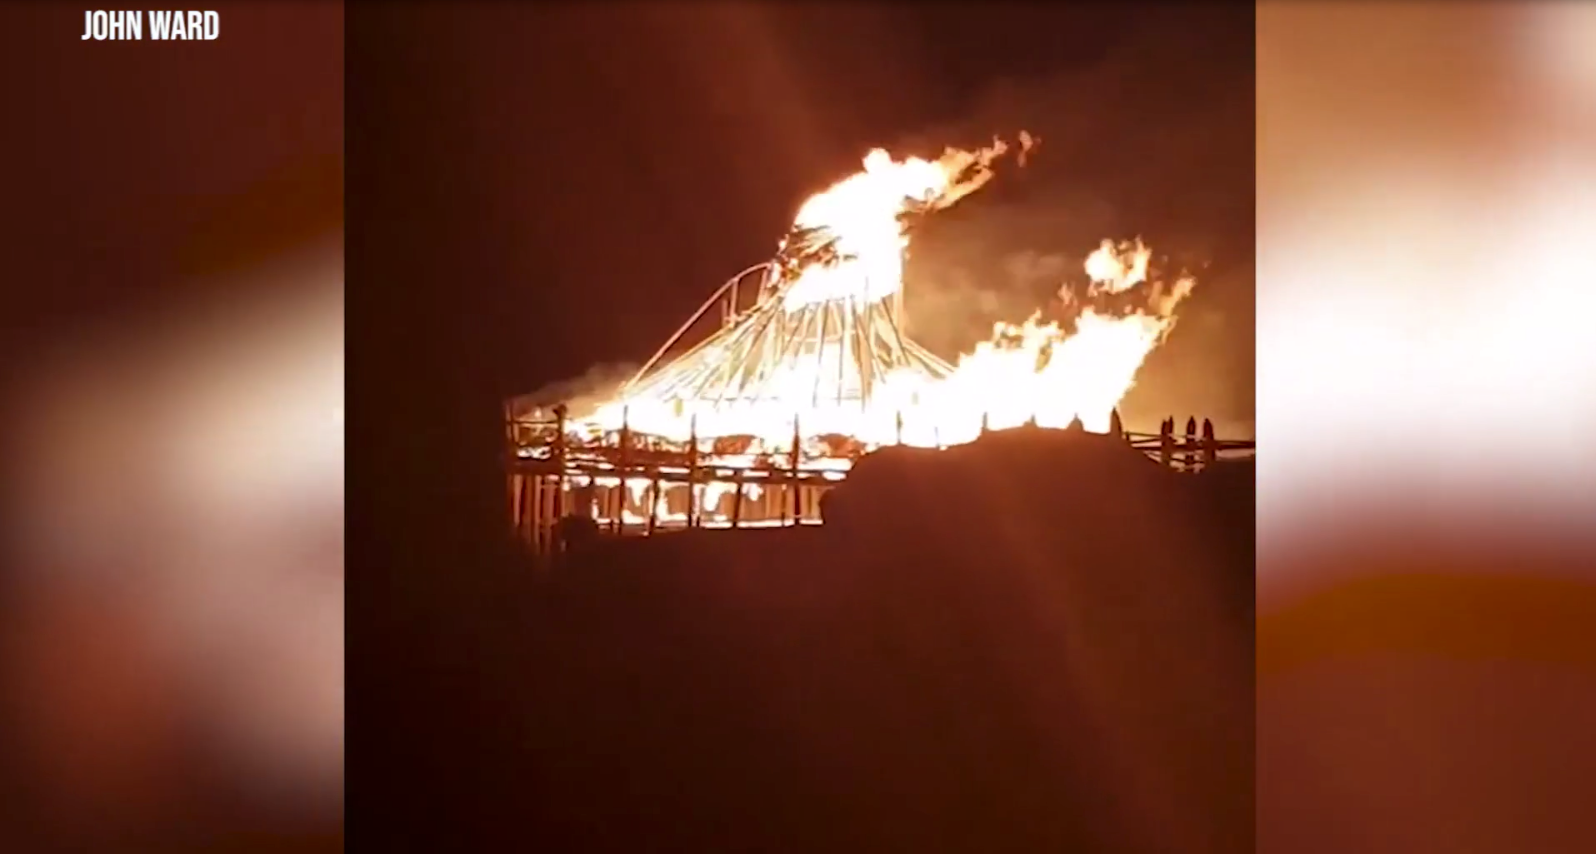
{"type": "Point", "coordinates": [563, 486]}
{"type": "Point", "coordinates": [548, 439]}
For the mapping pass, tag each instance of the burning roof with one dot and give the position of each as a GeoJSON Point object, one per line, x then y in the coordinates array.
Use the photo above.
{"type": "Point", "coordinates": [820, 347]}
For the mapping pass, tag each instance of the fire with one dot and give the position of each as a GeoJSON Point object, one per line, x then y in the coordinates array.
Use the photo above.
{"type": "Point", "coordinates": [861, 216]}
{"type": "Point", "coordinates": [822, 352]}
{"type": "Point", "coordinates": [1038, 372]}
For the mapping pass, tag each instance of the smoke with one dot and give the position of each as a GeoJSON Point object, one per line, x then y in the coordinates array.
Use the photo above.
{"type": "Point", "coordinates": [950, 305]}
{"type": "Point", "coordinates": [1135, 147]}
{"type": "Point", "coordinates": [582, 394]}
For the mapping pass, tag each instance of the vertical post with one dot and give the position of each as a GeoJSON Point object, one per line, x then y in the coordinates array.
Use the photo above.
{"type": "Point", "coordinates": [692, 471]}
{"type": "Point", "coordinates": [532, 508]}
{"type": "Point", "coordinates": [861, 354]}
{"type": "Point", "coordinates": [844, 344]}
{"type": "Point", "coordinates": [1166, 442]}
{"type": "Point", "coordinates": [737, 503]}
{"type": "Point", "coordinates": [541, 530]}
{"type": "Point", "coordinates": [619, 503]}
{"type": "Point", "coordinates": [512, 479]}
{"type": "Point", "coordinates": [550, 507]}
{"type": "Point", "coordinates": [653, 501]}
{"type": "Point", "coordinates": [820, 354]}
{"type": "Point", "coordinates": [548, 493]}
{"type": "Point", "coordinates": [560, 411]}
{"type": "Point", "coordinates": [985, 424]}
{"type": "Point", "coordinates": [517, 508]}
{"type": "Point", "coordinates": [1210, 444]}
{"type": "Point", "coordinates": [526, 502]}
{"type": "Point", "coordinates": [1189, 458]}
{"type": "Point", "coordinates": [1116, 427]}
{"type": "Point", "coordinates": [900, 426]}
{"type": "Point", "coordinates": [792, 474]}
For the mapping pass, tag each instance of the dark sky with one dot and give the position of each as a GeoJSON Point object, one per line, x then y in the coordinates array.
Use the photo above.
{"type": "Point", "coordinates": [609, 165]}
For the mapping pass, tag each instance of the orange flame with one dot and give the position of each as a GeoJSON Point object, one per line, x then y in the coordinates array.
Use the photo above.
{"type": "Point", "coordinates": [1027, 371]}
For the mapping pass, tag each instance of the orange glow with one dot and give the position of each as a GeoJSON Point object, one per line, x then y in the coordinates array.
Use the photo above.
{"type": "Point", "coordinates": [821, 351]}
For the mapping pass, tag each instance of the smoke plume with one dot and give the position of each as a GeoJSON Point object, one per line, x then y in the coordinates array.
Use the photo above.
{"type": "Point", "coordinates": [580, 394]}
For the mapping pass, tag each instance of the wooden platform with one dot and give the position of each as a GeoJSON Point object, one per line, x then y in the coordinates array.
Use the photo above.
{"type": "Point", "coordinates": [625, 484]}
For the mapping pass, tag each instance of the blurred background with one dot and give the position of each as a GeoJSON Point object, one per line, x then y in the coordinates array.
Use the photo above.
{"type": "Point", "coordinates": [1426, 396]}
{"type": "Point", "coordinates": [172, 634]}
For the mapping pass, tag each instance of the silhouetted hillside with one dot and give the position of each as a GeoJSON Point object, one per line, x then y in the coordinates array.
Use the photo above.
{"type": "Point", "coordinates": [1037, 642]}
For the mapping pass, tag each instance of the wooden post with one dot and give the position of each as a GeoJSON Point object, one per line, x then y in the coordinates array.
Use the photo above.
{"type": "Point", "coordinates": [624, 470]}
{"type": "Point", "coordinates": [512, 479]}
{"type": "Point", "coordinates": [544, 491]}
{"type": "Point", "coordinates": [1166, 443]}
{"type": "Point", "coordinates": [792, 474]}
{"type": "Point", "coordinates": [985, 424]}
{"type": "Point", "coordinates": [517, 505]}
{"type": "Point", "coordinates": [653, 501]}
{"type": "Point", "coordinates": [1116, 428]}
{"type": "Point", "coordinates": [900, 426]}
{"type": "Point", "coordinates": [560, 411]}
{"type": "Point", "coordinates": [521, 508]}
{"type": "Point", "coordinates": [737, 503]}
{"type": "Point", "coordinates": [537, 536]}
{"type": "Point", "coordinates": [1210, 444]}
{"type": "Point", "coordinates": [545, 496]}
{"type": "Point", "coordinates": [1189, 458]}
{"type": "Point", "coordinates": [692, 472]}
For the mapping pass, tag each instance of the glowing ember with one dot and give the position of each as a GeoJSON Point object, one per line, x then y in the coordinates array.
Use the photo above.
{"type": "Point", "coordinates": [821, 351]}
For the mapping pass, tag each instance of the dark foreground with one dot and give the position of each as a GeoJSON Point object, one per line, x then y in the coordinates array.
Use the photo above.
{"type": "Point", "coordinates": [1040, 642]}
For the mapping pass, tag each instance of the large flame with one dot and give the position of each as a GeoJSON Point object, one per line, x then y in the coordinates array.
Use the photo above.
{"type": "Point", "coordinates": [862, 214]}
{"type": "Point", "coordinates": [848, 247]}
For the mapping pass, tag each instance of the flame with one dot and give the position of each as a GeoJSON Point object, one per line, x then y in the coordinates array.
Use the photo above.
{"type": "Point", "coordinates": [862, 216]}
{"type": "Point", "coordinates": [847, 248]}
{"type": "Point", "coordinates": [1118, 268]}
{"type": "Point", "coordinates": [1037, 372]}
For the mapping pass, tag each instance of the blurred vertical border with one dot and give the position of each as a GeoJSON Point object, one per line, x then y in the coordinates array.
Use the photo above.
{"type": "Point", "coordinates": [1426, 670]}
{"type": "Point", "coordinates": [173, 368]}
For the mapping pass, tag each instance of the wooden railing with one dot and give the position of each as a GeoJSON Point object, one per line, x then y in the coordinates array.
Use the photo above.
{"type": "Point", "coordinates": [561, 486]}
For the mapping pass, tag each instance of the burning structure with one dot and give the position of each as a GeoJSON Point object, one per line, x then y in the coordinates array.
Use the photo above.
{"type": "Point", "coordinates": [806, 365]}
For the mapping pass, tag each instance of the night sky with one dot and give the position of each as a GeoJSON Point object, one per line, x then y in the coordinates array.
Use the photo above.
{"type": "Point", "coordinates": [617, 163]}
